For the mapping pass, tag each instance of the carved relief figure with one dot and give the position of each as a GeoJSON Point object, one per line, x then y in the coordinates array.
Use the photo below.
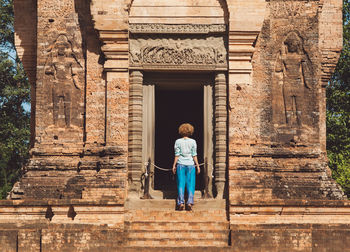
{"type": "Point", "coordinates": [172, 51]}
{"type": "Point", "coordinates": [62, 67]}
{"type": "Point", "coordinates": [294, 66]}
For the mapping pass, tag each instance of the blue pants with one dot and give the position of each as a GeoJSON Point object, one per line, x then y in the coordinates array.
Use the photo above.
{"type": "Point", "coordinates": [186, 177]}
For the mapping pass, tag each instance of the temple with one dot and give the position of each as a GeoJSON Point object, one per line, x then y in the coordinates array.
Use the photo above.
{"type": "Point", "coordinates": [111, 81]}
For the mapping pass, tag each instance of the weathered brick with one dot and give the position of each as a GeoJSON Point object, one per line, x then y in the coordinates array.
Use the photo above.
{"type": "Point", "coordinates": [87, 62]}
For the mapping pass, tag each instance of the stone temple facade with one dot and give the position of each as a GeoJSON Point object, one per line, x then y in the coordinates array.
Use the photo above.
{"type": "Point", "coordinates": [111, 82]}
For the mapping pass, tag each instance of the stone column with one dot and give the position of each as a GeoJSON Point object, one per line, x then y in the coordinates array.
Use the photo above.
{"type": "Point", "coordinates": [135, 133]}
{"type": "Point", "coordinates": [208, 137]}
{"type": "Point", "coordinates": [220, 132]}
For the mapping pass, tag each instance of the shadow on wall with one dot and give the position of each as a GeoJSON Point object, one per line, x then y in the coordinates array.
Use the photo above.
{"type": "Point", "coordinates": [26, 44]}
{"type": "Point", "coordinates": [90, 36]}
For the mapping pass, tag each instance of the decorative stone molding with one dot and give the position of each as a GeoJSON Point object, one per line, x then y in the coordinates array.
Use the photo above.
{"type": "Point", "coordinates": [168, 53]}
{"type": "Point", "coordinates": [241, 49]}
{"type": "Point", "coordinates": [181, 28]}
{"type": "Point", "coordinates": [135, 131]}
{"type": "Point", "coordinates": [243, 33]}
{"type": "Point", "coordinates": [110, 19]}
{"type": "Point", "coordinates": [115, 49]}
{"type": "Point", "coordinates": [220, 131]}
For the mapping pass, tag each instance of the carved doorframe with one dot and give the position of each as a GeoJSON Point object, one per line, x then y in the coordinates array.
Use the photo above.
{"type": "Point", "coordinates": [200, 81]}
{"type": "Point", "coordinates": [200, 48]}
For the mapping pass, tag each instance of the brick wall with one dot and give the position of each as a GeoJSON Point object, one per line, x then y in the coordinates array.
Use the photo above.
{"type": "Point", "coordinates": [279, 192]}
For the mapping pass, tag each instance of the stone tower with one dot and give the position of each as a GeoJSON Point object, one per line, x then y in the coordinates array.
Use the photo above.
{"type": "Point", "coordinates": [110, 83]}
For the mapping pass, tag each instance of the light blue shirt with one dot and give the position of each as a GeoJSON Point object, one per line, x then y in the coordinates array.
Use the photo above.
{"type": "Point", "coordinates": [186, 149]}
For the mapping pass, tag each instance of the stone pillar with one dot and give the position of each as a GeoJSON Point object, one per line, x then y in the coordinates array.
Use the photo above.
{"type": "Point", "coordinates": [220, 132]}
{"type": "Point", "coordinates": [135, 133]}
{"type": "Point", "coordinates": [208, 137]}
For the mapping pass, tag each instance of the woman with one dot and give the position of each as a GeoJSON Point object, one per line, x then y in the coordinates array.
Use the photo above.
{"type": "Point", "coordinates": [185, 159]}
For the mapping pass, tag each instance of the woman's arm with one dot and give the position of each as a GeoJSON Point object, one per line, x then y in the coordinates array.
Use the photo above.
{"type": "Point", "coordinates": [194, 155]}
{"type": "Point", "coordinates": [197, 165]}
{"type": "Point", "coordinates": [174, 164]}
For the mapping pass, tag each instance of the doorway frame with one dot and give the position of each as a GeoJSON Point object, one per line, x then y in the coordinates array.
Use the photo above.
{"type": "Point", "coordinates": [136, 163]}
{"type": "Point", "coordinates": [198, 48]}
{"type": "Point", "coordinates": [169, 80]}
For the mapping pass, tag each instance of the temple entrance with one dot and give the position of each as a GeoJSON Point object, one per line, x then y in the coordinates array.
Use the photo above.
{"type": "Point", "coordinates": [174, 107]}
{"type": "Point", "coordinates": [168, 101]}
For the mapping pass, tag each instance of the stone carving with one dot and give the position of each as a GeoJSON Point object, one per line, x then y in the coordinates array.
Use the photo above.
{"type": "Point", "coordinates": [178, 52]}
{"type": "Point", "coordinates": [283, 9]}
{"type": "Point", "coordinates": [295, 69]}
{"type": "Point", "coordinates": [62, 69]}
{"type": "Point", "coordinates": [181, 28]}
{"type": "Point", "coordinates": [59, 9]}
{"type": "Point", "coordinates": [166, 55]}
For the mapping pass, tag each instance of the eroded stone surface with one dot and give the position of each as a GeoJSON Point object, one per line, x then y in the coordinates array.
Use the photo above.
{"type": "Point", "coordinates": [269, 61]}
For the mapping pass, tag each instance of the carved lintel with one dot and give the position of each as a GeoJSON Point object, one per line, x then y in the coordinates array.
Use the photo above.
{"type": "Point", "coordinates": [177, 28]}
{"type": "Point", "coordinates": [197, 53]}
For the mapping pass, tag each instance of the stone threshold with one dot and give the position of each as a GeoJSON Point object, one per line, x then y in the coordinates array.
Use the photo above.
{"type": "Point", "coordinates": [166, 204]}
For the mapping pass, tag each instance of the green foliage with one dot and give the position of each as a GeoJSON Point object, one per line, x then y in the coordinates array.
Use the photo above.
{"type": "Point", "coordinates": [338, 112]}
{"type": "Point", "coordinates": [6, 25]}
{"type": "Point", "coordinates": [14, 92]}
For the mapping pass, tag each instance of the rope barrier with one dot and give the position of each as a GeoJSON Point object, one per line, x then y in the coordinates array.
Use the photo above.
{"type": "Point", "coordinates": [167, 169]}
{"type": "Point", "coordinates": [148, 173]}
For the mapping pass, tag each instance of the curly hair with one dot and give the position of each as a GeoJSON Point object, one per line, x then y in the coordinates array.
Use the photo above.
{"type": "Point", "coordinates": [186, 130]}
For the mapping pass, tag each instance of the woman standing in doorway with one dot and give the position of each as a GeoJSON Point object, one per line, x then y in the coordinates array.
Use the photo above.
{"type": "Point", "coordinates": [184, 166]}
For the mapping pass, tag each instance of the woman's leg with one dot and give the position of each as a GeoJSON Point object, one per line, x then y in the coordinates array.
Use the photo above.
{"type": "Point", "coordinates": [191, 183]}
{"type": "Point", "coordinates": [181, 181]}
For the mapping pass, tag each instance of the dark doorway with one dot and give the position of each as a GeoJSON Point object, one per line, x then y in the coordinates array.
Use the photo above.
{"type": "Point", "coordinates": [172, 108]}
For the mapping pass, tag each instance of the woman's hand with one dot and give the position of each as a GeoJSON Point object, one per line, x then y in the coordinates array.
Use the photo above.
{"type": "Point", "coordinates": [195, 159]}
{"type": "Point", "coordinates": [174, 164]}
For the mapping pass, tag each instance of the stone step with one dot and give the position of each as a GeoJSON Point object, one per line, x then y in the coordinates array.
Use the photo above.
{"type": "Point", "coordinates": [178, 249]}
{"type": "Point", "coordinates": [177, 225]}
{"type": "Point", "coordinates": [218, 235]}
{"type": "Point", "coordinates": [166, 204]}
{"type": "Point", "coordinates": [186, 242]}
{"type": "Point", "coordinates": [155, 223]}
{"type": "Point", "coordinates": [188, 216]}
